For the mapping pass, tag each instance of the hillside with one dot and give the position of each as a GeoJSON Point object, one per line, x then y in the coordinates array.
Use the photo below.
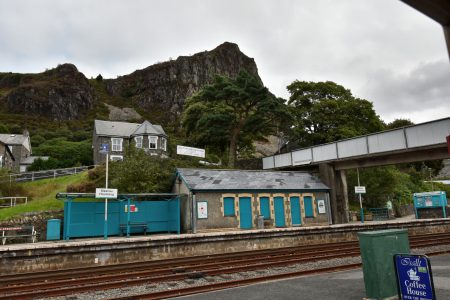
{"type": "Point", "coordinates": [157, 92]}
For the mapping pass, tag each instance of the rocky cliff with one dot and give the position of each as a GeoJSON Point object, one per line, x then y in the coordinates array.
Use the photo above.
{"type": "Point", "coordinates": [162, 88]}
{"type": "Point", "coordinates": [61, 93]}
{"type": "Point", "coordinates": [158, 91]}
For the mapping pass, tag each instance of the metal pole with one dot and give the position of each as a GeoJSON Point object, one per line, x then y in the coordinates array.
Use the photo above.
{"type": "Point", "coordinates": [128, 216]}
{"type": "Point", "coordinates": [105, 229]}
{"type": "Point", "coordinates": [360, 200]}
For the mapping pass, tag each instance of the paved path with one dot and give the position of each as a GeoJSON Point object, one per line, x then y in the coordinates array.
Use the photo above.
{"type": "Point", "coordinates": [346, 285]}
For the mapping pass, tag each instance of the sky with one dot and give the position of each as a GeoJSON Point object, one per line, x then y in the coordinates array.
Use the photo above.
{"type": "Point", "coordinates": [382, 50]}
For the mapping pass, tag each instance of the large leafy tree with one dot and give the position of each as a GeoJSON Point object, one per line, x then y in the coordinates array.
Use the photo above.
{"type": "Point", "coordinates": [325, 111]}
{"type": "Point", "coordinates": [232, 113]}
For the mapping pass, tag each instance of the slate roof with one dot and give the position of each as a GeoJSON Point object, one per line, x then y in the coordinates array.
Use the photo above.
{"type": "Point", "coordinates": [12, 139]}
{"type": "Point", "coordinates": [148, 128]}
{"type": "Point", "coordinates": [111, 128]}
{"type": "Point", "coordinates": [221, 180]}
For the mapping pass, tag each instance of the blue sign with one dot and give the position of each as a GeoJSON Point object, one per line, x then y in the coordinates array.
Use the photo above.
{"type": "Point", "coordinates": [414, 277]}
{"type": "Point", "coordinates": [104, 148]}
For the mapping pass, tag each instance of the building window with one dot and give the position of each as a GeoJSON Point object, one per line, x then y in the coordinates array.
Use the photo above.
{"type": "Point", "coordinates": [228, 207]}
{"type": "Point", "coordinates": [1, 161]}
{"type": "Point", "coordinates": [309, 213]}
{"type": "Point", "coordinates": [116, 144]}
{"type": "Point", "coordinates": [116, 157]}
{"type": "Point", "coordinates": [265, 207]}
{"type": "Point", "coordinates": [152, 142]}
{"type": "Point", "coordinates": [138, 141]}
{"type": "Point", "coordinates": [164, 144]}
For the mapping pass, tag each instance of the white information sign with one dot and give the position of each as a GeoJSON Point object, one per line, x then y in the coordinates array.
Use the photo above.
{"type": "Point", "coordinates": [321, 206]}
{"type": "Point", "coordinates": [202, 210]}
{"type": "Point", "coordinates": [190, 151]}
{"type": "Point", "coordinates": [360, 189]}
{"type": "Point", "coordinates": [106, 193]}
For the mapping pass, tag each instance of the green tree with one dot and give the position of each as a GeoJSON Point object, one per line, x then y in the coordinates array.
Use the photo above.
{"type": "Point", "coordinates": [232, 113]}
{"type": "Point", "coordinates": [398, 123]}
{"type": "Point", "coordinates": [325, 111]}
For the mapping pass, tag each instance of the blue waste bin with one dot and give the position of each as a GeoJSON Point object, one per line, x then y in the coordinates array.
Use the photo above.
{"type": "Point", "coordinates": [53, 229]}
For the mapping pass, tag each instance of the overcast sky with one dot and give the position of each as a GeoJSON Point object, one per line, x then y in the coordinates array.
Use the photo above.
{"type": "Point", "coordinates": [383, 50]}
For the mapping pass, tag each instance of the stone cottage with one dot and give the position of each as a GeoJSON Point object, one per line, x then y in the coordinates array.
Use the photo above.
{"type": "Point", "coordinates": [116, 135]}
{"type": "Point", "coordinates": [6, 157]}
{"type": "Point", "coordinates": [234, 199]}
{"type": "Point", "coordinates": [20, 147]}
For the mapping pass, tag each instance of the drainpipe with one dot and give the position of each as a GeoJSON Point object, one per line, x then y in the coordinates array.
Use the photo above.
{"type": "Point", "coordinates": [194, 214]}
{"type": "Point", "coordinates": [327, 200]}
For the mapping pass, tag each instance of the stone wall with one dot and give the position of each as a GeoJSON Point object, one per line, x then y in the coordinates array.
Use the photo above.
{"type": "Point", "coordinates": [38, 220]}
{"type": "Point", "coordinates": [83, 253]}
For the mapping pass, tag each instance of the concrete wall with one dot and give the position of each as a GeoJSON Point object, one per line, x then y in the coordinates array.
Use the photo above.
{"type": "Point", "coordinates": [72, 254]}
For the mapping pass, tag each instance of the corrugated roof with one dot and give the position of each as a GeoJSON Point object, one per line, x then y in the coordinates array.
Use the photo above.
{"type": "Point", "coordinates": [219, 180]}
{"type": "Point", "coordinates": [111, 128]}
{"type": "Point", "coordinates": [12, 139]}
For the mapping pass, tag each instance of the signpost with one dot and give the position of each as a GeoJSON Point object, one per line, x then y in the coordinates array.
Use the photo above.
{"type": "Point", "coordinates": [105, 193]}
{"type": "Point", "coordinates": [104, 149]}
{"type": "Point", "coordinates": [360, 190]}
{"type": "Point", "coordinates": [414, 277]}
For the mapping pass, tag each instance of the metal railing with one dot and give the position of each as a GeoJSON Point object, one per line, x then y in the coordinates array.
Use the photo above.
{"type": "Point", "coordinates": [11, 201]}
{"type": "Point", "coordinates": [36, 175]}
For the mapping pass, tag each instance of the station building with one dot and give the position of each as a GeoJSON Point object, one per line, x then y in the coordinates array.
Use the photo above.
{"type": "Point", "coordinates": [234, 199]}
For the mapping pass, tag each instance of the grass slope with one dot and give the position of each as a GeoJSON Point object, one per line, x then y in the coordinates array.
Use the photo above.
{"type": "Point", "coordinates": [42, 194]}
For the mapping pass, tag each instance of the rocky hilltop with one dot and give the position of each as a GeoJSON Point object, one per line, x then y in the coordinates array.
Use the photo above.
{"type": "Point", "coordinates": [158, 91]}
{"type": "Point", "coordinates": [165, 86]}
{"type": "Point", "coordinates": [62, 93]}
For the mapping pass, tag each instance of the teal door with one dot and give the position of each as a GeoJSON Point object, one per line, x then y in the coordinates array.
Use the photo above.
{"type": "Point", "coordinates": [265, 207]}
{"type": "Point", "coordinates": [245, 211]}
{"type": "Point", "coordinates": [309, 213]}
{"type": "Point", "coordinates": [279, 212]}
{"type": "Point", "coordinates": [295, 211]}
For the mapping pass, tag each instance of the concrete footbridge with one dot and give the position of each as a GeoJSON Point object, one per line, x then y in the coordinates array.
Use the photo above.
{"type": "Point", "coordinates": [425, 141]}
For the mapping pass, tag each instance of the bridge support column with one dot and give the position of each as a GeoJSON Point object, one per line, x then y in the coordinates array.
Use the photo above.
{"type": "Point", "coordinates": [337, 181]}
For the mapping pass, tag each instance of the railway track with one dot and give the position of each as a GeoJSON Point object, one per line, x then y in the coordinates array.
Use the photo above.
{"type": "Point", "coordinates": [73, 281]}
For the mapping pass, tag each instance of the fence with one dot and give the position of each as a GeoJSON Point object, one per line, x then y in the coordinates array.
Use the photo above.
{"type": "Point", "coordinates": [36, 175]}
{"type": "Point", "coordinates": [12, 201]}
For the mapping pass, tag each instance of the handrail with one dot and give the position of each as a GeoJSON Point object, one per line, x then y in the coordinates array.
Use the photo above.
{"type": "Point", "coordinates": [35, 175]}
{"type": "Point", "coordinates": [12, 201]}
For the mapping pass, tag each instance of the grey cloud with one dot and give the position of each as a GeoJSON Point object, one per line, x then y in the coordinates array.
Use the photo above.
{"type": "Point", "coordinates": [425, 88]}
{"type": "Point", "coordinates": [344, 41]}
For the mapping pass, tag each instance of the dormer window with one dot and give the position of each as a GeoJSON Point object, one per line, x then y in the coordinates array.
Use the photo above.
{"type": "Point", "coordinates": [163, 144]}
{"type": "Point", "coordinates": [138, 141]}
{"type": "Point", "coordinates": [116, 144]}
{"type": "Point", "coordinates": [152, 142]}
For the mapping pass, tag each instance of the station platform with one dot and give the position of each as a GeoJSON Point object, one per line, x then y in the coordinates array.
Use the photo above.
{"type": "Point", "coordinates": [347, 285]}
{"type": "Point", "coordinates": [19, 258]}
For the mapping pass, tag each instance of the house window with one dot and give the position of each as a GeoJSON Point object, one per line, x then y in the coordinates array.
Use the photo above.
{"type": "Point", "coordinates": [116, 157]}
{"type": "Point", "coordinates": [116, 144]}
{"type": "Point", "coordinates": [164, 144]}
{"type": "Point", "coordinates": [265, 207]}
{"type": "Point", "coordinates": [309, 213]}
{"type": "Point", "coordinates": [138, 141]}
{"type": "Point", "coordinates": [1, 161]}
{"type": "Point", "coordinates": [228, 207]}
{"type": "Point", "coordinates": [152, 142]}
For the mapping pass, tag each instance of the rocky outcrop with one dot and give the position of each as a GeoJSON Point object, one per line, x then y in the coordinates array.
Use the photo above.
{"type": "Point", "coordinates": [162, 89]}
{"type": "Point", "coordinates": [60, 94]}
{"type": "Point", "coordinates": [122, 114]}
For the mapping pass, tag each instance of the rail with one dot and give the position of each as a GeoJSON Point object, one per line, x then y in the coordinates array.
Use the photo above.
{"type": "Point", "coordinates": [11, 201]}
{"type": "Point", "coordinates": [36, 175]}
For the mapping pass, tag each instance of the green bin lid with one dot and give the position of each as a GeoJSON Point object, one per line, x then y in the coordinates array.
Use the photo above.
{"type": "Point", "coordinates": [383, 232]}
